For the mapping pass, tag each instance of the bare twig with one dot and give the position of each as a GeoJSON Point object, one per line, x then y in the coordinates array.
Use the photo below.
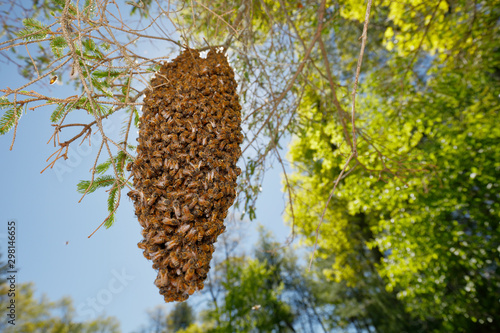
{"type": "Point", "coordinates": [326, 206]}
{"type": "Point", "coordinates": [358, 70]}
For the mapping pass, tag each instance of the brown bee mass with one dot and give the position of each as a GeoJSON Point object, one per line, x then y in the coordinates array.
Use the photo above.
{"type": "Point", "coordinates": [185, 171]}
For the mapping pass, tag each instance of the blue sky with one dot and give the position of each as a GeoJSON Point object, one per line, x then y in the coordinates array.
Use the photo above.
{"type": "Point", "coordinates": [106, 274]}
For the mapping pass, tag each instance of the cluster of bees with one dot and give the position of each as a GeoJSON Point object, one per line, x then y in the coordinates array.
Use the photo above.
{"type": "Point", "coordinates": [185, 170]}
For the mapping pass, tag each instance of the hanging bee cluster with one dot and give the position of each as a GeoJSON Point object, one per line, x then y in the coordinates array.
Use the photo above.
{"type": "Point", "coordinates": [185, 170]}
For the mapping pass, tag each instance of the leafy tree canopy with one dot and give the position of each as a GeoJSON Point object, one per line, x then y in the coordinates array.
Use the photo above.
{"type": "Point", "coordinates": [43, 315]}
{"type": "Point", "coordinates": [421, 199]}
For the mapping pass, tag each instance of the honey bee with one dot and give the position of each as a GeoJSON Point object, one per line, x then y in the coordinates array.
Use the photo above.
{"type": "Point", "coordinates": [210, 175]}
{"type": "Point", "coordinates": [149, 173]}
{"type": "Point", "coordinates": [183, 228]}
{"type": "Point", "coordinates": [191, 289]}
{"type": "Point", "coordinates": [232, 146]}
{"type": "Point", "coordinates": [152, 199]}
{"type": "Point", "coordinates": [148, 143]}
{"type": "Point", "coordinates": [161, 278]}
{"type": "Point", "coordinates": [211, 162]}
{"type": "Point", "coordinates": [174, 260]}
{"type": "Point", "coordinates": [155, 120]}
{"type": "Point", "coordinates": [176, 145]}
{"type": "Point", "coordinates": [188, 172]}
{"type": "Point", "coordinates": [193, 202]}
{"type": "Point", "coordinates": [170, 221]}
{"type": "Point", "coordinates": [210, 194]}
{"type": "Point", "coordinates": [178, 182]}
{"type": "Point", "coordinates": [148, 233]}
{"type": "Point", "coordinates": [143, 222]}
{"type": "Point", "coordinates": [213, 145]}
{"type": "Point", "coordinates": [202, 200]}
{"type": "Point", "coordinates": [162, 181]}
{"type": "Point", "coordinates": [163, 204]}
{"type": "Point", "coordinates": [168, 230]}
{"type": "Point", "coordinates": [174, 281]}
{"type": "Point", "coordinates": [157, 255]}
{"type": "Point", "coordinates": [142, 245]}
{"type": "Point", "coordinates": [184, 136]}
{"type": "Point", "coordinates": [222, 144]}
{"type": "Point", "coordinates": [192, 235]}
{"type": "Point", "coordinates": [201, 233]}
{"type": "Point", "coordinates": [186, 214]}
{"type": "Point", "coordinates": [167, 163]}
{"type": "Point", "coordinates": [192, 185]}
{"type": "Point", "coordinates": [197, 212]}
{"type": "Point", "coordinates": [172, 173]}
{"type": "Point", "coordinates": [156, 163]}
{"type": "Point", "coordinates": [188, 264]}
{"type": "Point", "coordinates": [189, 274]}
{"type": "Point", "coordinates": [166, 261]}
{"type": "Point", "coordinates": [206, 248]}
{"type": "Point", "coordinates": [200, 285]}
{"type": "Point", "coordinates": [159, 238]}
{"type": "Point", "coordinates": [196, 167]}
{"type": "Point", "coordinates": [198, 263]}
{"type": "Point", "coordinates": [185, 255]}
{"type": "Point", "coordinates": [202, 272]}
{"type": "Point", "coordinates": [172, 243]}
{"type": "Point", "coordinates": [169, 299]}
{"type": "Point", "coordinates": [53, 79]}
{"type": "Point", "coordinates": [212, 230]}
{"type": "Point", "coordinates": [219, 195]}
{"type": "Point", "coordinates": [177, 209]}
{"type": "Point", "coordinates": [218, 116]}
{"type": "Point", "coordinates": [192, 152]}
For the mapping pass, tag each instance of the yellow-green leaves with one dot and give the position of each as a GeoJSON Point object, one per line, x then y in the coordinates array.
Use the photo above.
{"type": "Point", "coordinates": [34, 30]}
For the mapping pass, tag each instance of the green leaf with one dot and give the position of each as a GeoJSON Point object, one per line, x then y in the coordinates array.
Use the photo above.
{"type": "Point", "coordinates": [35, 30]}
{"type": "Point", "coordinates": [57, 45]}
{"type": "Point", "coordinates": [106, 74]}
{"type": "Point", "coordinates": [103, 167]}
{"type": "Point", "coordinates": [62, 4]}
{"type": "Point", "coordinates": [137, 118]}
{"type": "Point", "coordinates": [4, 103]}
{"type": "Point", "coordinates": [101, 86]}
{"type": "Point", "coordinates": [58, 113]}
{"type": "Point", "coordinates": [89, 8]}
{"type": "Point", "coordinates": [120, 159]}
{"type": "Point", "coordinates": [33, 24]}
{"type": "Point", "coordinates": [91, 47]}
{"type": "Point", "coordinates": [112, 205]}
{"type": "Point", "coordinates": [99, 182]}
{"type": "Point", "coordinates": [9, 119]}
{"type": "Point", "coordinates": [125, 87]}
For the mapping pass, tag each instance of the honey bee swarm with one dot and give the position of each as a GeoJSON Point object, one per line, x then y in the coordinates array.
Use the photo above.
{"type": "Point", "coordinates": [185, 170]}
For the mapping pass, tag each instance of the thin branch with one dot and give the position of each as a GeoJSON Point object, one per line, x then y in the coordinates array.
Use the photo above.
{"type": "Point", "coordinates": [326, 206]}
{"type": "Point", "coordinates": [358, 70]}
{"type": "Point", "coordinates": [321, 13]}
